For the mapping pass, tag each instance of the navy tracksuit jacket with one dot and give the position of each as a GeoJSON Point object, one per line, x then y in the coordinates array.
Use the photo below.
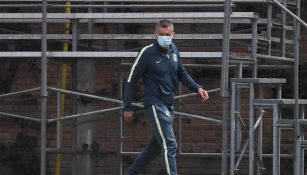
{"type": "Point", "coordinates": [161, 71]}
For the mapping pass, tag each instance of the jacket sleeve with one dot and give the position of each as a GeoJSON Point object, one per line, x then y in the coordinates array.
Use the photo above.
{"type": "Point", "coordinates": [186, 79]}
{"type": "Point", "coordinates": [137, 70]}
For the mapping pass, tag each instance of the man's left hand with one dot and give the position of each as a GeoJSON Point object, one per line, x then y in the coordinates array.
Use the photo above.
{"type": "Point", "coordinates": [203, 94]}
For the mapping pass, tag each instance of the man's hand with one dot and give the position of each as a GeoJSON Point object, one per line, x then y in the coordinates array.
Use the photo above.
{"type": "Point", "coordinates": [128, 116]}
{"type": "Point", "coordinates": [203, 94]}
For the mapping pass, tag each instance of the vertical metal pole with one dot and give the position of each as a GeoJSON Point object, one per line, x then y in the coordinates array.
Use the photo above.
{"type": "Point", "coordinates": [238, 109]}
{"type": "Point", "coordinates": [259, 148]}
{"type": "Point", "coordinates": [74, 122]}
{"type": "Point", "coordinates": [298, 153]}
{"type": "Point", "coordinates": [278, 139]}
{"type": "Point", "coordinates": [302, 112]}
{"type": "Point", "coordinates": [224, 82]}
{"type": "Point", "coordinates": [283, 31]}
{"type": "Point", "coordinates": [251, 111]}
{"type": "Point", "coordinates": [269, 27]}
{"type": "Point", "coordinates": [179, 124]}
{"type": "Point", "coordinates": [277, 129]}
{"type": "Point", "coordinates": [120, 132]}
{"type": "Point", "coordinates": [90, 22]}
{"type": "Point", "coordinates": [275, 141]}
{"type": "Point", "coordinates": [74, 103]}
{"type": "Point", "coordinates": [59, 122]}
{"type": "Point", "coordinates": [43, 88]}
{"type": "Point", "coordinates": [251, 129]}
{"type": "Point", "coordinates": [279, 91]}
{"type": "Point", "coordinates": [75, 35]}
{"type": "Point", "coordinates": [225, 54]}
{"type": "Point", "coordinates": [233, 128]}
{"type": "Point", "coordinates": [254, 45]}
{"type": "Point", "coordinates": [302, 116]}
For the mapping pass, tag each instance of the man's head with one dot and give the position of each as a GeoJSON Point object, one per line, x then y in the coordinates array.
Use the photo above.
{"type": "Point", "coordinates": [164, 32]}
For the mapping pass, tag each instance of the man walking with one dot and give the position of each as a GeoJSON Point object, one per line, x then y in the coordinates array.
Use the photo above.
{"type": "Point", "coordinates": [160, 67]}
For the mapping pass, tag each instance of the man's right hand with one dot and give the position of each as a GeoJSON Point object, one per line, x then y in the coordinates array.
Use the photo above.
{"type": "Point", "coordinates": [128, 116]}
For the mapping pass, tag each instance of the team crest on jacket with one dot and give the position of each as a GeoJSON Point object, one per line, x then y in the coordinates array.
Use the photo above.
{"type": "Point", "coordinates": [174, 57]}
{"type": "Point", "coordinates": [167, 113]}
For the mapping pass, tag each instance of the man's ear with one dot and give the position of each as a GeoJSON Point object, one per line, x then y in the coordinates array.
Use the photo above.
{"type": "Point", "coordinates": [173, 34]}
{"type": "Point", "coordinates": [155, 33]}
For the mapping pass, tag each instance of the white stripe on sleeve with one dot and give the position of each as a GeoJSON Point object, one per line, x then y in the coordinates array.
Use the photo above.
{"type": "Point", "coordinates": [136, 61]}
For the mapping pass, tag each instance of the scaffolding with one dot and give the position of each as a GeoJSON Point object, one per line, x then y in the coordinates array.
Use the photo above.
{"type": "Point", "coordinates": [229, 60]}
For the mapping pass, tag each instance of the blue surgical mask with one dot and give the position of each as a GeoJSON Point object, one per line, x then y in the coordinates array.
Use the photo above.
{"type": "Point", "coordinates": [165, 41]}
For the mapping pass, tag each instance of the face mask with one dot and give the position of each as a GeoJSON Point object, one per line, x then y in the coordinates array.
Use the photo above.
{"type": "Point", "coordinates": [165, 41]}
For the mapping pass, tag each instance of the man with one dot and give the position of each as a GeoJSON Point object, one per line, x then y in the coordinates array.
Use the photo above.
{"type": "Point", "coordinates": [160, 67]}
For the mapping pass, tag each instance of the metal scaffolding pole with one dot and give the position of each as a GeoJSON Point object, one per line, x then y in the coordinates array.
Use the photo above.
{"type": "Point", "coordinates": [74, 99]}
{"type": "Point", "coordinates": [269, 27]}
{"type": "Point", "coordinates": [224, 82]}
{"type": "Point", "coordinates": [179, 123]}
{"type": "Point", "coordinates": [120, 131]}
{"type": "Point", "coordinates": [283, 31]}
{"type": "Point", "coordinates": [297, 150]}
{"type": "Point", "coordinates": [260, 134]}
{"type": "Point", "coordinates": [233, 128]}
{"type": "Point", "coordinates": [238, 109]}
{"type": "Point", "coordinates": [254, 46]}
{"type": "Point", "coordinates": [251, 130]}
{"type": "Point", "coordinates": [276, 162]}
{"type": "Point", "coordinates": [43, 88]}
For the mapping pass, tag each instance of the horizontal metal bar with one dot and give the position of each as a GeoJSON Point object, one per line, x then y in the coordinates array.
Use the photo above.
{"type": "Point", "coordinates": [116, 5]}
{"type": "Point", "coordinates": [277, 40]}
{"type": "Point", "coordinates": [138, 6]}
{"type": "Point", "coordinates": [69, 151]}
{"type": "Point", "coordinates": [155, 1]}
{"type": "Point", "coordinates": [84, 114]}
{"type": "Point", "coordinates": [20, 116]}
{"type": "Point", "coordinates": [259, 80]}
{"type": "Point", "coordinates": [219, 154]}
{"type": "Point", "coordinates": [101, 54]}
{"type": "Point", "coordinates": [198, 117]}
{"type": "Point", "coordinates": [34, 36]}
{"type": "Point", "coordinates": [199, 154]}
{"type": "Point", "coordinates": [121, 36]}
{"type": "Point", "coordinates": [211, 154]}
{"type": "Point", "coordinates": [282, 101]}
{"type": "Point", "coordinates": [91, 96]}
{"type": "Point", "coordinates": [179, 154]}
{"type": "Point", "coordinates": [85, 95]}
{"type": "Point", "coordinates": [275, 67]}
{"type": "Point", "coordinates": [285, 126]}
{"type": "Point", "coordinates": [168, 15]}
{"type": "Point", "coordinates": [19, 92]}
{"type": "Point", "coordinates": [261, 105]}
{"type": "Point", "coordinates": [275, 58]}
{"type": "Point", "coordinates": [135, 21]}
{"type": "Point", "coordinates": [127, 153]}
{"type": "Point", "coordinates": [218, 66]}
{"type": "Point", "coordinates": [193, 94]}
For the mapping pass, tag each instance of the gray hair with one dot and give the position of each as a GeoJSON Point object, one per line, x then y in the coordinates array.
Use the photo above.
{"type": "Point", "coordinates": [164, 23]}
